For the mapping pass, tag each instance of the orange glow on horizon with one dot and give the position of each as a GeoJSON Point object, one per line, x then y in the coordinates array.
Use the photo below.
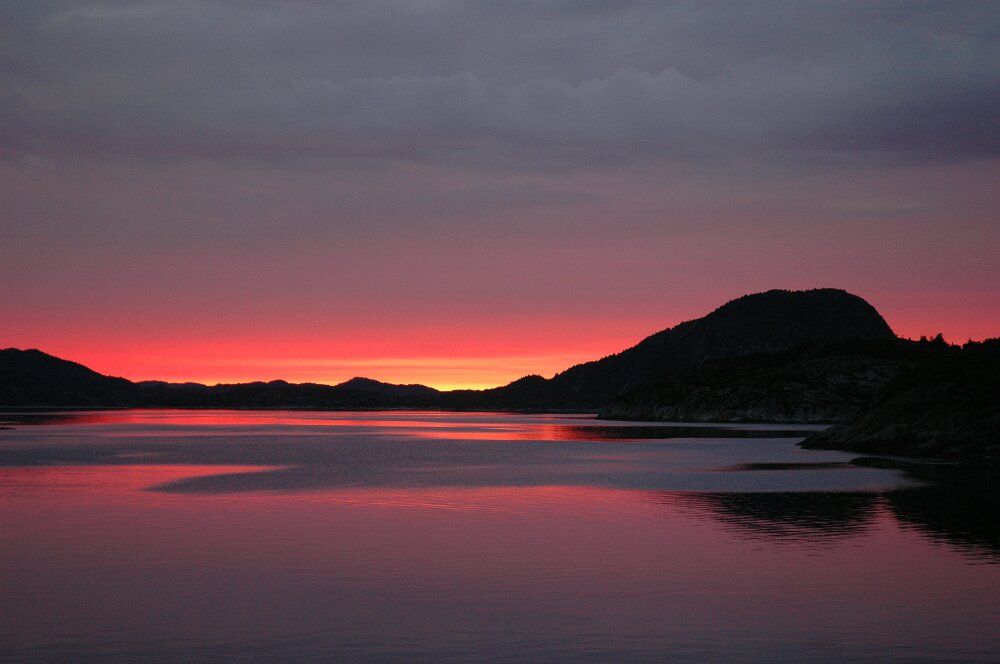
{"type": "Point", "coordinates": [475, 355]}
{"type": "Point", "coordinates": [442, 373]}
{"type": "Point", "coordinates": [472, 355]}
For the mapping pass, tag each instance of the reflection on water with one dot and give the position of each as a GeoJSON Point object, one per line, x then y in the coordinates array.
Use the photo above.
{"type": "Point", "coordinates": [315, 450]}
{"type": "Point", "coordinates": [268, 536]}
{"type": "Point", "coordinates": [965, 516]}
{"type": "Point", "coordinates": [27, 418]}
{"type": "Point", "coordinates": [430, 424]}
{"type": "Point", "coordinates": [800, 516]}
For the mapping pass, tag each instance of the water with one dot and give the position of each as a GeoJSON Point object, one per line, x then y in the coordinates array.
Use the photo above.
{"type": "Point", "coordinates": [247, 536]}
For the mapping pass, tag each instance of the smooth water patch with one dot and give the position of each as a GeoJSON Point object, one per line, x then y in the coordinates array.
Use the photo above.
{"type": "Point", "coordinates": [312, 451]}
{"type": "Point", "coordinates": [352, 541]}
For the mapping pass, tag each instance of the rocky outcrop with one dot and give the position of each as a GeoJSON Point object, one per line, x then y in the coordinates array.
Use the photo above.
{"type": "Point", "coordinates": [945, 407]}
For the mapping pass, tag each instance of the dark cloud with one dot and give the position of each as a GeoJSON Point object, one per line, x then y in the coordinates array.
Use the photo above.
{"type": "Point", "coordinates": [519, 85]}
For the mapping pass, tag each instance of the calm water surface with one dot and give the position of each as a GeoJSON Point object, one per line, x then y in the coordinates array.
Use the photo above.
{"type": "Point", "coordinates": [251, 536]}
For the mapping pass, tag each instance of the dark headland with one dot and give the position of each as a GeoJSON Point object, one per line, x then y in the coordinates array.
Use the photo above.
{"type": "Point", "coordinates": [816, 356]}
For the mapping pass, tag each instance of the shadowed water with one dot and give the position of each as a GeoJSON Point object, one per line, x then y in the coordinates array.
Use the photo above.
{"type": "Point", "coordinates": [273, 536]}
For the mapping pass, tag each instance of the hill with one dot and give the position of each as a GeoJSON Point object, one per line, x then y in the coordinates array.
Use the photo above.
{"type": "Point", "coordinates": [33, 378]}
{"type": "Point", "coordinates": [760, 323]}
{"type": "Point", "coordinates": [370, 386]}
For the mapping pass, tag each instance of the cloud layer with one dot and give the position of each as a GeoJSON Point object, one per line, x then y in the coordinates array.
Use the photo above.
{"type": "Point", "coordinates": [513, 86]}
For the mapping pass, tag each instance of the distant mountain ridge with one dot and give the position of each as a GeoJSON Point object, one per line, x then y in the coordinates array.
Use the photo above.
{"type": "Point", "coordinates": [378, 387]}
{"type": "Point", "coordinates": [32, 378]}
{"type": "Point", "coordinates": [760, 323]}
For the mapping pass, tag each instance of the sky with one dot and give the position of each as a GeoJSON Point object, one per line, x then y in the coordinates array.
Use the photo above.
{"type": "Point", "coordinates": [463, 193]}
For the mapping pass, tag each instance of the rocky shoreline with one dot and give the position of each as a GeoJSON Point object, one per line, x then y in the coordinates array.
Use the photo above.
{"type": "Point", "coordinates": [945, 408]}
{"type": "Point", "coordinates": [921, 400]}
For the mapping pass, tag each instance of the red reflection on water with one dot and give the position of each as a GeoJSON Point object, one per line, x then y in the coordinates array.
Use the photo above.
{"type": "Point", "coordinates": [101, 483]}
{"type": "Point", "coordinates": [423, 424]}
{"type": "Point", "coordinates": [88, 553]}
{"type": "Point", "coordinates": [525, 431]}
{"type": "Point", "coordinates": [198, 417]}
{"type": "Point", "coordinates": [435, 425]}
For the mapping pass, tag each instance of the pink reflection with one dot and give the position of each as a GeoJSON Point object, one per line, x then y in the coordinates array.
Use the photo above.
{"type": "Point", "coordinates": [533, 431]}
{"type": "Point", "coordinates": [104, 483]}
{"type": "Point", "coordinates": [422, 424]}
{"type": "Point", "coordinates": [89, 555]}
{"type": "Point", "coordinates": [197, 417]}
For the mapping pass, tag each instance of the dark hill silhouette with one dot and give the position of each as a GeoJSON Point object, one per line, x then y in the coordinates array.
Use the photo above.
{"type": "Point", "coordinates": [528, 393]}
{"type": "Point", "coordinates": [357, 393]}
{"type": "Point", "coordinates": [378, 387]}
{"type": "Point", "coordinates": [760, 323]}
{"type": "Point", "coordinates": [33, 378]}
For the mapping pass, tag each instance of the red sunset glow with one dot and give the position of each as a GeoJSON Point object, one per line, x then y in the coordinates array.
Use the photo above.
{"type": "Point", "coordinates": [482, 352]}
